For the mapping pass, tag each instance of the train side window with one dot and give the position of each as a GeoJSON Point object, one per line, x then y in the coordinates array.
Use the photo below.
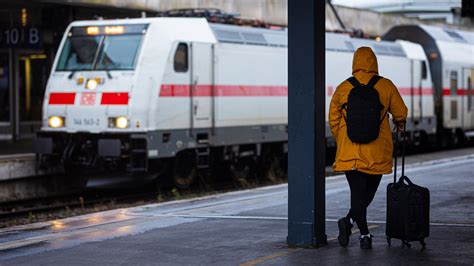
{"type": "Point", "coordinates": [181, 58]}
{"type": "Point", "coordinates": [424, 75]}
{"type": "Point", "coordinates": [470, 94]}
{"type": "Point", "coordinates": [454, 83]}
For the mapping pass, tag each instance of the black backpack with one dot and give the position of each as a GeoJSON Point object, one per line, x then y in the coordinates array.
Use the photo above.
{"type": "Point", "coordinates": [363, 109]}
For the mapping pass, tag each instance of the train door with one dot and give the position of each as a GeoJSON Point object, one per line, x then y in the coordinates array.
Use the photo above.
{"type": "Point", "coordinates": [5, 98]}
{"type": "Point", "coordinates": [202, 86]}
{"type": "Point", "coordinates": [454, 106]}
{"type": "Point", "coordinates": [468, 97]}
{"type": "Point", "coordinates": [32, 74]}
{"type": "Point", "coordinates": [415, 90]}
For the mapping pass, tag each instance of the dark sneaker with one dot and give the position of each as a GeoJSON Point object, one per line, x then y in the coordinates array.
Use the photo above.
{"type": "Point", "coordinates": [345, 227]}
{"type": "Point", "coordinates": [366, 242]}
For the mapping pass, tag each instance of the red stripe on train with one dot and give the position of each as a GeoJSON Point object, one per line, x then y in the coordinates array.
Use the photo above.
{"type": "Point", "coordinates": [222, 90]}
{"type": "Point", "coordinates": [62, 98]}
{"type": "Point", "coordinates": [417, 92]}
{"type": "Point", "coordinates": [114, 98]}
{"type": "Point", "coordinates": [459, 92]}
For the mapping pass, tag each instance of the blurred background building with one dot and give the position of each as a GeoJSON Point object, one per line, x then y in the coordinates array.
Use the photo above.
{"type": "Point", "coordinates": [443, 11]}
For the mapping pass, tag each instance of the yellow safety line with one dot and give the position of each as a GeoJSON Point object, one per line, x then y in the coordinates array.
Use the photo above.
{"type": "Point", "coordinates": [284, 253]}
{"type": "Point", "coordinates": [269, 257]}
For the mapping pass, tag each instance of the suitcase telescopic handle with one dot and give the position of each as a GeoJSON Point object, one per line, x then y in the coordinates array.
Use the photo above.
{"type": "Point", "coordinates": [403, 149]}
{"type": "Point", "coordinates": [396, 155]}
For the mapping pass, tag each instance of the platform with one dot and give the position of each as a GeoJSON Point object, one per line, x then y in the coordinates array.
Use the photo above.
{"type": "Point", "coordinates": [17, 160]}
{"type": "Point", "coordinates": [250, 227]}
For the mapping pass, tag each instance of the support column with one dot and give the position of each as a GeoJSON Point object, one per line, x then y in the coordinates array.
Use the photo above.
{"type": "Point", "coordinates": [306, 114]}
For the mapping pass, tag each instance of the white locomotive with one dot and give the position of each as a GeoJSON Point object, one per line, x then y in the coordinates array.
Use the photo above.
{"type": "Point", "coordinates": [142, 95]}
{"type": "Point", "coordinates": [127, 94]}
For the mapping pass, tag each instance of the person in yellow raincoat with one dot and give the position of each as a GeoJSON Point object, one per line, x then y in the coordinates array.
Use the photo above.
{"type": "Point", "coordinates": [364, 164]}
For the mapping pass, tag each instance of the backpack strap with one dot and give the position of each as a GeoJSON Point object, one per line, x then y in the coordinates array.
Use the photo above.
{"type": "Point", "coordinates": [371, 84]}
{"type": "Point", "coordinates": [373, 81]}
{"type": "Point", "coordinates": [353, 81]}
{"type": "Point", "coordinates": [383, 117]}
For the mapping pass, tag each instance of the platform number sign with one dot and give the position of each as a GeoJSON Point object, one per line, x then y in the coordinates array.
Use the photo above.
{"type": "Point", "coordinates": [28, 37]}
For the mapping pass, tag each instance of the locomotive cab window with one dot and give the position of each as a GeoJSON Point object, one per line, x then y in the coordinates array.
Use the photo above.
{"type": "Point", "coordinates": [101, 48]}
{"type": "Point", "coordinates": [112, 55]}
{"type": "Point", "coordinates": [470, 94]}
{"type": "Point", "coordinates": [424, 75]}
{"type": "Point", "coordinates": [454, 82]}
{"type": "Point", "coordinates": [181, 58]}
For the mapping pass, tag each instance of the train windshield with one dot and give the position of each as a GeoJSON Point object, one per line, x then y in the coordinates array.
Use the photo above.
{"type": "Point", "coordinates": [119, 52]}
{"type": "Point", "coordinates": [100, 48]}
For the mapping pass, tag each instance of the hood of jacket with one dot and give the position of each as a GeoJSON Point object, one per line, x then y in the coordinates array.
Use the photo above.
{"type": "Point", "coordinates": [364, 60]}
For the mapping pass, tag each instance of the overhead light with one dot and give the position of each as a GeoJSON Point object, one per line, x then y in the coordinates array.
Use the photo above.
{"type": "Point", "coordinates": [24, 17]}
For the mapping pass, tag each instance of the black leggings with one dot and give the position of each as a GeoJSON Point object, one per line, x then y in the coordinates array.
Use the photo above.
{"type": "Point", "coordinates": [363, 187]}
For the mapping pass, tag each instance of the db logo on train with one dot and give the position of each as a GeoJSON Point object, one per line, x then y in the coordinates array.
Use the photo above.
{"type": "Point", "coordinates": [88, 98]}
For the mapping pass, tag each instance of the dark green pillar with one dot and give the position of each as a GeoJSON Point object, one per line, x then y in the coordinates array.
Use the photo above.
{"type": "Point", "coordinates": [306, 114]}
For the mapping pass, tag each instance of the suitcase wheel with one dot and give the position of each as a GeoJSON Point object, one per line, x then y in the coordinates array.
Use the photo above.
{"type": "Point", "coordinates": [423, 244]}
{"type": "Point", "coordinates": [405, 243]}
{"type": "Point", "coordinates": [389, 241]}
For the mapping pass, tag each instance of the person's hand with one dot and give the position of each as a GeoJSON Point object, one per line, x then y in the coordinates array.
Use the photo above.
{"type": "Point", "coordinates": [400, 126]}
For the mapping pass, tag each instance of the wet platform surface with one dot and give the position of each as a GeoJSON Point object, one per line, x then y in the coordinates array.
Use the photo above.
{"type": "Point", "coordinates": [250, 227]}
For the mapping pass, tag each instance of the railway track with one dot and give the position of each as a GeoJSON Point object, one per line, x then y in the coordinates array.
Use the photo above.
{"type": "Point", "coordinates": [51, 204]}
{"type": "Point", "coordinates": [93, 200]}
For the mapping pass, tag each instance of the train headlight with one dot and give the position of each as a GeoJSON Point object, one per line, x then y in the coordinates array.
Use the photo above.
{"type": "Point", "coordinates": [121, 122]}
{"type": "Point", "coordinates": [118, 122]}
{"type": "Point", "coordinates": [91, 84]}
{"type": "Point", "coordinates": [56, 121]}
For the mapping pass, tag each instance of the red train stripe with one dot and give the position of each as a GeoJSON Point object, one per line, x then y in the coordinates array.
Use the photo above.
{"type": "Point", "coordinates": [114, 98]}
{"type": "Point", "coordinates": [416, 91]}
{"type": "Point", "coordinates": [459, 92]}
{"type": "Point", "coordinates": [239, 90]}
{"type": "Point", "coordinates": [62, 98]}
{"type": "Point", "coordinates": [169, 90]}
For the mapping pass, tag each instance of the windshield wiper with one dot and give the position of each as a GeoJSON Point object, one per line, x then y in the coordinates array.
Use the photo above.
{"type": "Point", "coordinates": [72, 74]}
{"type": "Point", "coordinates": [108, 73]}
{"type": "Point", "coordinates": [107, 70]}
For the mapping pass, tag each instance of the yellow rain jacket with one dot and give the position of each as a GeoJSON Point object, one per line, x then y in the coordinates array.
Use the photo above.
{"type": "Point", "coordinates": [374, 157]}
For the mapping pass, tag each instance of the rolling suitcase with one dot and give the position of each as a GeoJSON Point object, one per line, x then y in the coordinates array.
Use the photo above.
{"type": "Point", "coordinates": [408, 208]}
